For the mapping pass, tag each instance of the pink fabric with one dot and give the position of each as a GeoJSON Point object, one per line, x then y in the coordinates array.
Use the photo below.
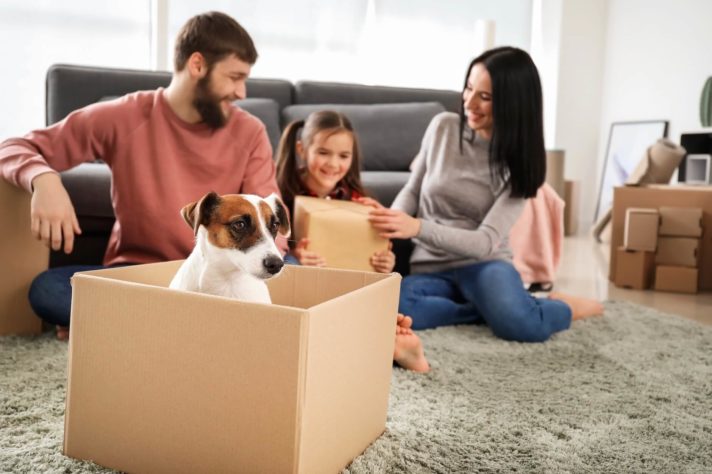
{"type": "Point", "coordinates": [159, 163]}
{"type": "Point", "coordinates": [537, 238]}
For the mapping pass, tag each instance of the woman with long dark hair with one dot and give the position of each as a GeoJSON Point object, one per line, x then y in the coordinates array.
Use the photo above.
{"type": "Point", "coordinates": [468, 187]}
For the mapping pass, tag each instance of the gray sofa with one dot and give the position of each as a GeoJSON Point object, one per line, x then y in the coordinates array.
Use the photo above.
{"type": "Point", "coordinates": [389, 121]}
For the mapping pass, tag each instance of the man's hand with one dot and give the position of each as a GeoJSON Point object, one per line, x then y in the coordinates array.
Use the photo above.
{"type": "Point", "coordinates": [307, 257]}
{"type": "Point", "coordinates": [393, 224]}
{"type": "Point", "coordinates": [52, 214]}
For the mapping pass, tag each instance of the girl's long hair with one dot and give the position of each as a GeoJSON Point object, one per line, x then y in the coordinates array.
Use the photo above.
{"type": "Point", "coordinates": [517, 150]}
{"type": "Point", "coordinates": [289, 167]}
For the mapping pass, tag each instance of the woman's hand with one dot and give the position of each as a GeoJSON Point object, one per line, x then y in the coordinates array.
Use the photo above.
{"type": "Point", "coordinates": [367, 201]}
{"type": "Point", "coordinates": [394, 224]}
{"type": "Point", "coordinates": [307, 257]}
{"type": "Point", "coordinates": [52, 215]}
{"type": "Point", "coordinates": [384, 261]}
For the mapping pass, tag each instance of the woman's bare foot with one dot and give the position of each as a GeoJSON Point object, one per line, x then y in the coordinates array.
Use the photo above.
{"type": "Point", "coordinates": [408, 352]}
{"type": "Point", "coordinates": [62, 333]}
{"type": "Point", "coordinates": [580, 307]}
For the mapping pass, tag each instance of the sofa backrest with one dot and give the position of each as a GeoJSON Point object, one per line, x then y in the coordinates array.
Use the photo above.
{"type": "Point", "coordinates": [313, 92]}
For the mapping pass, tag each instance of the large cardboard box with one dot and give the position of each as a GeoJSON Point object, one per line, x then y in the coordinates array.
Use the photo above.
{"type": "Point", "coordinates": [162, 380]}
{"type": "Point", "coordinates": [641, 229]}
{"type": "Point", "coordinates": [635, 269]}
{"type": "Point", "coordinates": [572, 198]}
{"type": "Point", "coordinates": [680, 221]}
{"type": "Point", "coordinates": [337, 230]}
{"type": "Point", "coordinates": [676, 279]}
{"type": "Point", "coordinates": [657, 196]}
{"type": "Point", "coordinates": [22, 258]}
{"type": "Point", "coordinates": [678, 251]}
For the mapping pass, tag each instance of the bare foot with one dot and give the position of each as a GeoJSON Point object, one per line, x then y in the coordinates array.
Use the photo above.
{"type": "Point", "coordinates": [580, 307]}
{"type": "Point", "coordinates": [62, 333]}
{"type": "Point", "coordinates": [408, 352]}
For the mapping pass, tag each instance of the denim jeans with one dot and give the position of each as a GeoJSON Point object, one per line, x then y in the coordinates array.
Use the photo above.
{"type": "Point", "coordinates": [51, 293]}
{"type": "Point", "coordinates": [489, 292]}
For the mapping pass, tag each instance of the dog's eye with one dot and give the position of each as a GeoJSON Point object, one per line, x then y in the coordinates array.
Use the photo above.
{"type": "Point", "coordinates": [274, 226]}
{"type": "Point", "coordinates": [239, 225]}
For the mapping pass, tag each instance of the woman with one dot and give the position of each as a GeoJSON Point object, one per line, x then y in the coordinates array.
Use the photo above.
{"type": "Point", "coordinates": [467, 188]}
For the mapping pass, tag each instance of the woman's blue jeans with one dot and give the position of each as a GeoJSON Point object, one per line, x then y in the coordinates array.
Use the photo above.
{"type": "Point", "coordinates": [489, 292]}
{"type": "Point", "coordinates": [51, 293]}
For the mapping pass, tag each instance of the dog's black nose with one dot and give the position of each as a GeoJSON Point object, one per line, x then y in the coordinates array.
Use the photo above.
{"type": "Point", "coordinates": [273, 264]}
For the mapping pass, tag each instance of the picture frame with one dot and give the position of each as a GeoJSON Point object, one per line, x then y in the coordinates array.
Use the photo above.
{"type": "Point", "coordinates": [627, 143]}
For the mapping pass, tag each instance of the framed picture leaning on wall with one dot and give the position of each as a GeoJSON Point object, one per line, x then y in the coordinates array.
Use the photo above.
{"type": "Point", "coordinates": [627, 144]}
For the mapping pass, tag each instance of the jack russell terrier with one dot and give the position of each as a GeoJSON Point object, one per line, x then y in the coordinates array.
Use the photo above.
{"type": "Point", "coordinates": [234, 249]}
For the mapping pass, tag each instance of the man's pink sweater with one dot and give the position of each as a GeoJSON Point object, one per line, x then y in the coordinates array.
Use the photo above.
{"type": "Point", "coordinates": [159, 163]}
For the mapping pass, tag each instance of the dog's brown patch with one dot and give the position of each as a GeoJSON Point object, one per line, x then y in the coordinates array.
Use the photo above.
{"type": "Point", "coordinates": [234, 224]}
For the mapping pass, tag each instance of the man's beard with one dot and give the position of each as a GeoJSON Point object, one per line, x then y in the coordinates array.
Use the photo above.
{"type": "Point", "coordinates": [207, 105]}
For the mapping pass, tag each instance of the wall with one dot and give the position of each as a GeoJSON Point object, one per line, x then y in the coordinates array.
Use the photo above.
{"type": "Point", "coordinates": [657, 58]}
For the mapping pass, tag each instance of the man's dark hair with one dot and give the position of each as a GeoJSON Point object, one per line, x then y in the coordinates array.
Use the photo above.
{"type": "Point", "coordinates": [216, 36]}
{"type": "Point", "coordinates": [517, 150]}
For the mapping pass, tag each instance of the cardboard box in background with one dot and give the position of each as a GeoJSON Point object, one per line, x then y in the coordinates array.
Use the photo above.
{"type": "Point", "coordinates": [572, 198]}
{"type": "Point", "coordinates": [22, 258]}
{"type": "Point", "coordinates": [657, 196]}
{"type": "Point", "coordinates": [678, 251]}
{"type": "Point", "coordinates": [680, 221]}
{"type": "Point", "coordinates": [173, 381]}
{"type": "Point", "coordinates": [337, 230]}
{"type": "Point", "coordinates": [676, 279]}
{"type": "Point", "coordinates": [636, 269]}
{"type": "Point", "coordinates": [641, 229]}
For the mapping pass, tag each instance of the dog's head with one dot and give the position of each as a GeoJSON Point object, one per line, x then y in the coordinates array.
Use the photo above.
{"type": "Point", "coordinates": [242, 228]}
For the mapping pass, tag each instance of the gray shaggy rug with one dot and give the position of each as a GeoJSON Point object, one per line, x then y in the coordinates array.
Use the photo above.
{"type": "Point", "coordinates": [627, 392]}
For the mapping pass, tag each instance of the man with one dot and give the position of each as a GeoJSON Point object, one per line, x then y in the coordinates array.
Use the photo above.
{"type": "Point", "coordinates": [165, 148]}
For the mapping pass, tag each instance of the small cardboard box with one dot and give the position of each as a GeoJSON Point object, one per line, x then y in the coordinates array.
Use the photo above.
{"type": "Point", "coordinates": [657, 196]}
{"type": "Point", "coordinates": [680, 222]}
{"type": "Point", "coordinates": [635, 269]}
{"type": "Point", "coordinates": [162, 380]}
{"type": "Point", "coordinates": [22, 258]}
{"type": "Point", "coordinates": [641, 229]}
{"type": "Point", "coordinates": [337, 230]}
{"type": "Point", "coordinates": [677, 279]}
{"type": "Point", "coordinates": [677, 251]}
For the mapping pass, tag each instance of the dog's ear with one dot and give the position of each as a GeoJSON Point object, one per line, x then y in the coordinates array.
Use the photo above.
{"type": "Point", "coordinates": [197, 213]}
{"type": "Point", "coordinates": [280, 210]}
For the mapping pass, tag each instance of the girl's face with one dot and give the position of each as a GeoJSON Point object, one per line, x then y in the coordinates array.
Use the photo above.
{"type": "Point", "coordinates": [477, 99]}
{"type": "Point", "coordinates": [328, 158]}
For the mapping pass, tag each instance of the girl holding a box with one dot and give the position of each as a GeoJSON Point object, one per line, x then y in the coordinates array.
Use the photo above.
{"type": "Point", "coordinates": [467, 188]}
{"type": "Point", "coordinates": [323, 163]}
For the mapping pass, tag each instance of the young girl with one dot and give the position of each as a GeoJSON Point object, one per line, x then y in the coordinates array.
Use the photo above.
{"type": "Point", "coordinates": [323, 163]}
{"type": "Point", "coordinates": [467, 189]}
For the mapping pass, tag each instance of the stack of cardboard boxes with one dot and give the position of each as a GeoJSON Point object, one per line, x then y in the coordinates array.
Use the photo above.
{"type": "Point", "coordinates": [661, 248]}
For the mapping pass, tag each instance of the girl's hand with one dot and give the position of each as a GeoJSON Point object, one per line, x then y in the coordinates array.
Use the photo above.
{"type": "Point", "coordinates": [384, 261]}
{"type": "Point", "coordinates": [367, 201]}
{"type": "Point", "coordinates": [307, 257]}
{"type": "Point", "coordinates": [393, 224]}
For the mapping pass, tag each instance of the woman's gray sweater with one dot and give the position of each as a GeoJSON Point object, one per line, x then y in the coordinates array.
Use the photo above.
{"type": "Point", "coordinates": [465, 211]}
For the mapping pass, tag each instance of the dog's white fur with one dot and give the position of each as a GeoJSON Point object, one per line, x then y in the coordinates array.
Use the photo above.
{"type": "Point", "coordinates": [231, 272]}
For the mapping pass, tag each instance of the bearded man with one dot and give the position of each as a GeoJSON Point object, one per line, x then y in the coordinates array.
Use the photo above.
{"type": "Point", "coordinates": [165, 148]}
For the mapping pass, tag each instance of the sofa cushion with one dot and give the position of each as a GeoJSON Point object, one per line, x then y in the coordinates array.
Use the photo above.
{"type": "Point", "coordinates": [267, 110]}
{"type": "Point", "coordinates": [315, 92]}
{"type": "Point", "coordinates": [389, 134]}
{"type": "Point", "coordinates": [384, 186]}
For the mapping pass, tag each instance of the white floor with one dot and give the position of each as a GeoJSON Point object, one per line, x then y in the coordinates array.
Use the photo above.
{"type": "Point", "coordinates": [584, 272]}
